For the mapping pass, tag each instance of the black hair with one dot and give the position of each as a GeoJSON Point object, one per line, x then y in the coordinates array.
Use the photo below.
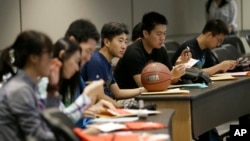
{"type": "Point", "coordinates": [26, 44]}
{"type": "Point", "coordinates": [136, 32]}
{"type": "Point", "coordinates": [82, 30]}
{"type": "Point", "coordinates": [151, 19]}
{"type": "Point", "coordinates": [70, 47]}
{"type": "Point", "coordinates": [215, 26]}
{"type": "Point", "coordinates": [209, 2]}
{"type": "Point", "coordinates": [112, 29]}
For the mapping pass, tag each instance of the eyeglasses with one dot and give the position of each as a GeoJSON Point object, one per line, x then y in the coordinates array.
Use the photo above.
{"type": "Point", "coordinates": [220, 41]}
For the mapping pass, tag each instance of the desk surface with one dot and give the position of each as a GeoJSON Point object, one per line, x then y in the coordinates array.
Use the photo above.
{"type": "Point", "coordinates": [221, 102]}
{"type": "Point", "coordinates": [165, 117]}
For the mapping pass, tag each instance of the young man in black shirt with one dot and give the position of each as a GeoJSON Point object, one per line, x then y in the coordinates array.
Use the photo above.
{"type": "Point", "coordinates": [211, 37]}
{"type": "Point", "coordinates": [146, 50]}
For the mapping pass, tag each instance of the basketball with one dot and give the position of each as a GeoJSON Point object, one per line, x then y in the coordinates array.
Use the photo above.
{"type": "Point", "coordinates": [155, 77]}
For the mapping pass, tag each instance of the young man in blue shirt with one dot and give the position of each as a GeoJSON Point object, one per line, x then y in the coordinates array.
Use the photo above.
{"type": "Point", "coordinates": [114, 40]}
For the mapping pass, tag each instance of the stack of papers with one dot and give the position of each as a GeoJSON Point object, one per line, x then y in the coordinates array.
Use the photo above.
{"type": "Point", "coordinates": [125, 113]}
{"type": "Point", "coordinates": [244, 73]}
{"type": "Point", "coordinates": [170, 91]}
{"type": "Point", "coordinates": [223, 77]}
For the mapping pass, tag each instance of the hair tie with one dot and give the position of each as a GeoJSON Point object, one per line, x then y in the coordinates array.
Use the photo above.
{"type": "Point", "coordinates": [12, 56]}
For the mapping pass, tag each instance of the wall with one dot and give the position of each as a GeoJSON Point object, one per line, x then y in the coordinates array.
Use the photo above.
{"type": "Point", "coordinates": [9, 21]}
{"type": "Point", "coordinates": [186, 17]}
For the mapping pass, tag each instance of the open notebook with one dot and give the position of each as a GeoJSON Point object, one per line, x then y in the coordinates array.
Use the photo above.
{"type": "Point", "coordinates": [125, 112]}
{"type": "Point", "coordinates": [222, 77]}
{"type": "Point", "coordinates": [244, 73]}
{"type": "Point", "coordinates": [167, 92]}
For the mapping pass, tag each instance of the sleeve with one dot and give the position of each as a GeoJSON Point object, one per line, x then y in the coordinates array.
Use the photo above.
{"type": "Point", "coordinates": [24, 107]}
{"type": "Point", "coordinates": [75, 110]}
{"type": "Point", "coordinates": [233, 14]}
{"type": "Point", "coordinates": [134, 61]}
{"type": "Point", "coordinates": [47, 101]}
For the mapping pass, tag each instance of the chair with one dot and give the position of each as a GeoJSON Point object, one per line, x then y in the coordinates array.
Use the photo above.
{"type": "Point", "coordinates": [248, 39]}
{"type": "Point", "coordinates": [225, 52]}
{"type": "Point", "coordinates": [60, 124]}
{"type": "Point", "coordinates": [171, 47]}
{"type": "Point", "coordinates": [236, 42]}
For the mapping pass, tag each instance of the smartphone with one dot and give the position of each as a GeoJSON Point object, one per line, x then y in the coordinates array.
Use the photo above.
{"type": "Point", "coordinates": [187, 50]}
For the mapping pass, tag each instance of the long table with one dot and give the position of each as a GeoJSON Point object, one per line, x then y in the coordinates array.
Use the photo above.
{"type": "Point", "coordinates": [165, 118]}
{"type": "Point", "coordinates": [204, 109]}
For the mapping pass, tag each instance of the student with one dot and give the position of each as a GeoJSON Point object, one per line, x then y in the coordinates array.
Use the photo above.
{"type": "Point", "coordinates": [86, 35]}
{"type": "Point", "coordinates": [148, 49]}
{"type": "Point", "coordinates": [225, 10]}
{"type": "Point", "coordinates": [211, 37]}
{"type": "Point", "coordinates": [114, 40]}
{"type": "Point", "coordinates": [26, 59]}
{"type": "Point", "coordinates": [64, 80]}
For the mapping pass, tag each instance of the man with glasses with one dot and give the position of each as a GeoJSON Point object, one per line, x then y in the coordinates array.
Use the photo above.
{"type": "Point", "coordinates": [211, 37]}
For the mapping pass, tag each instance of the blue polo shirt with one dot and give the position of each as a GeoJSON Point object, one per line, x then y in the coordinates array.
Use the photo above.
{"type": "Point", "coordinates": [99, 68]}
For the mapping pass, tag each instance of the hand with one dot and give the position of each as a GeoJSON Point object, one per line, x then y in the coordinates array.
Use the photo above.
{"type": "Point", "coordinates": [184, 57]}
{"type": "Point", "coordinates": [99, 107]}
{"type": "Point", "coordinates": [102, 105]}
{"type": "Point", "coordinates": [178, 71]}
{"type": "Point", "coordinates": [54, 76]}
{"type": "Point", "coordinates": [94, 90]}
{"type": "Point", "coordinates": [227, 65]}
{"type": "Point", "coordinates": [90, 112]}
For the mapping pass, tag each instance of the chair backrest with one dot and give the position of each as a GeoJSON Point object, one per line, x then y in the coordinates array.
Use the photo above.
{"type": "Point", "coordinates": [60, 124]}
{"type": "Point", "coordinates": [248, 39]}
{"type": "Point", "coordinates": [225, 52]}
{"type": "Point", "coordinates": [172, 45]}
{"type": "Point", "coordinates": [236, 42]}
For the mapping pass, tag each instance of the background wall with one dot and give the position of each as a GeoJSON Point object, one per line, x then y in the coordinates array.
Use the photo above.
{"type": "Point", "coordinates": [9, 21]}
{"type": "Point", "coordinates": [186, 17]}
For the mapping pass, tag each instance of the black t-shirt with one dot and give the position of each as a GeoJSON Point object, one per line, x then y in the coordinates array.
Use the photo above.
{"type": "Point", "coordinates": [204, 56]}
{"type": "Point", "coordinates": [134, 60]}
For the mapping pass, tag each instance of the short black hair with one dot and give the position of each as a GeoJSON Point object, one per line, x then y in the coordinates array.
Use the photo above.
{"type": "Point", "coordinates": [151, 19]}
{"type": "Point", "coordinates": [82, 30]}
{"type": "Point", "coordinates": [216, 26]}
{"type": "Point", "coordinates": [112, 29]}
{"type": "Point", "coordinates": [136, 32]}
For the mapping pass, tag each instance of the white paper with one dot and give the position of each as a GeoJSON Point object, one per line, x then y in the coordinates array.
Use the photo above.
{"type": "Point", "coordinates": [191, 63]}
{"type": "Point", "coordinates": [244, 73]}
{"type": "Point", "coordinates": [125, 119]}
{"type": "Point", "coordinates": [108, 127]}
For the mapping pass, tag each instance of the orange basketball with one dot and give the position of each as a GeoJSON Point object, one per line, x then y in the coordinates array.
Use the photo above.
{"type": "Point", "coordinates": [155, 77]}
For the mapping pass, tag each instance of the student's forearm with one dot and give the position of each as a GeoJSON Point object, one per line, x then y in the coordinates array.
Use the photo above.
{"type": "Point", "coordinates": [129, 93]}
{"type": "Point", "coordinates": [212, 70]}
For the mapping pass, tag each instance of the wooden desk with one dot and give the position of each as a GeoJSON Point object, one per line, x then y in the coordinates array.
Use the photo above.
{"type": "Point", "coordinates": [204, 109]}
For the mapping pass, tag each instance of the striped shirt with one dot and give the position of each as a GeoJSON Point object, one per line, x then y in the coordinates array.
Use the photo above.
{"type": "Point", "coordinates": [74, 110]}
